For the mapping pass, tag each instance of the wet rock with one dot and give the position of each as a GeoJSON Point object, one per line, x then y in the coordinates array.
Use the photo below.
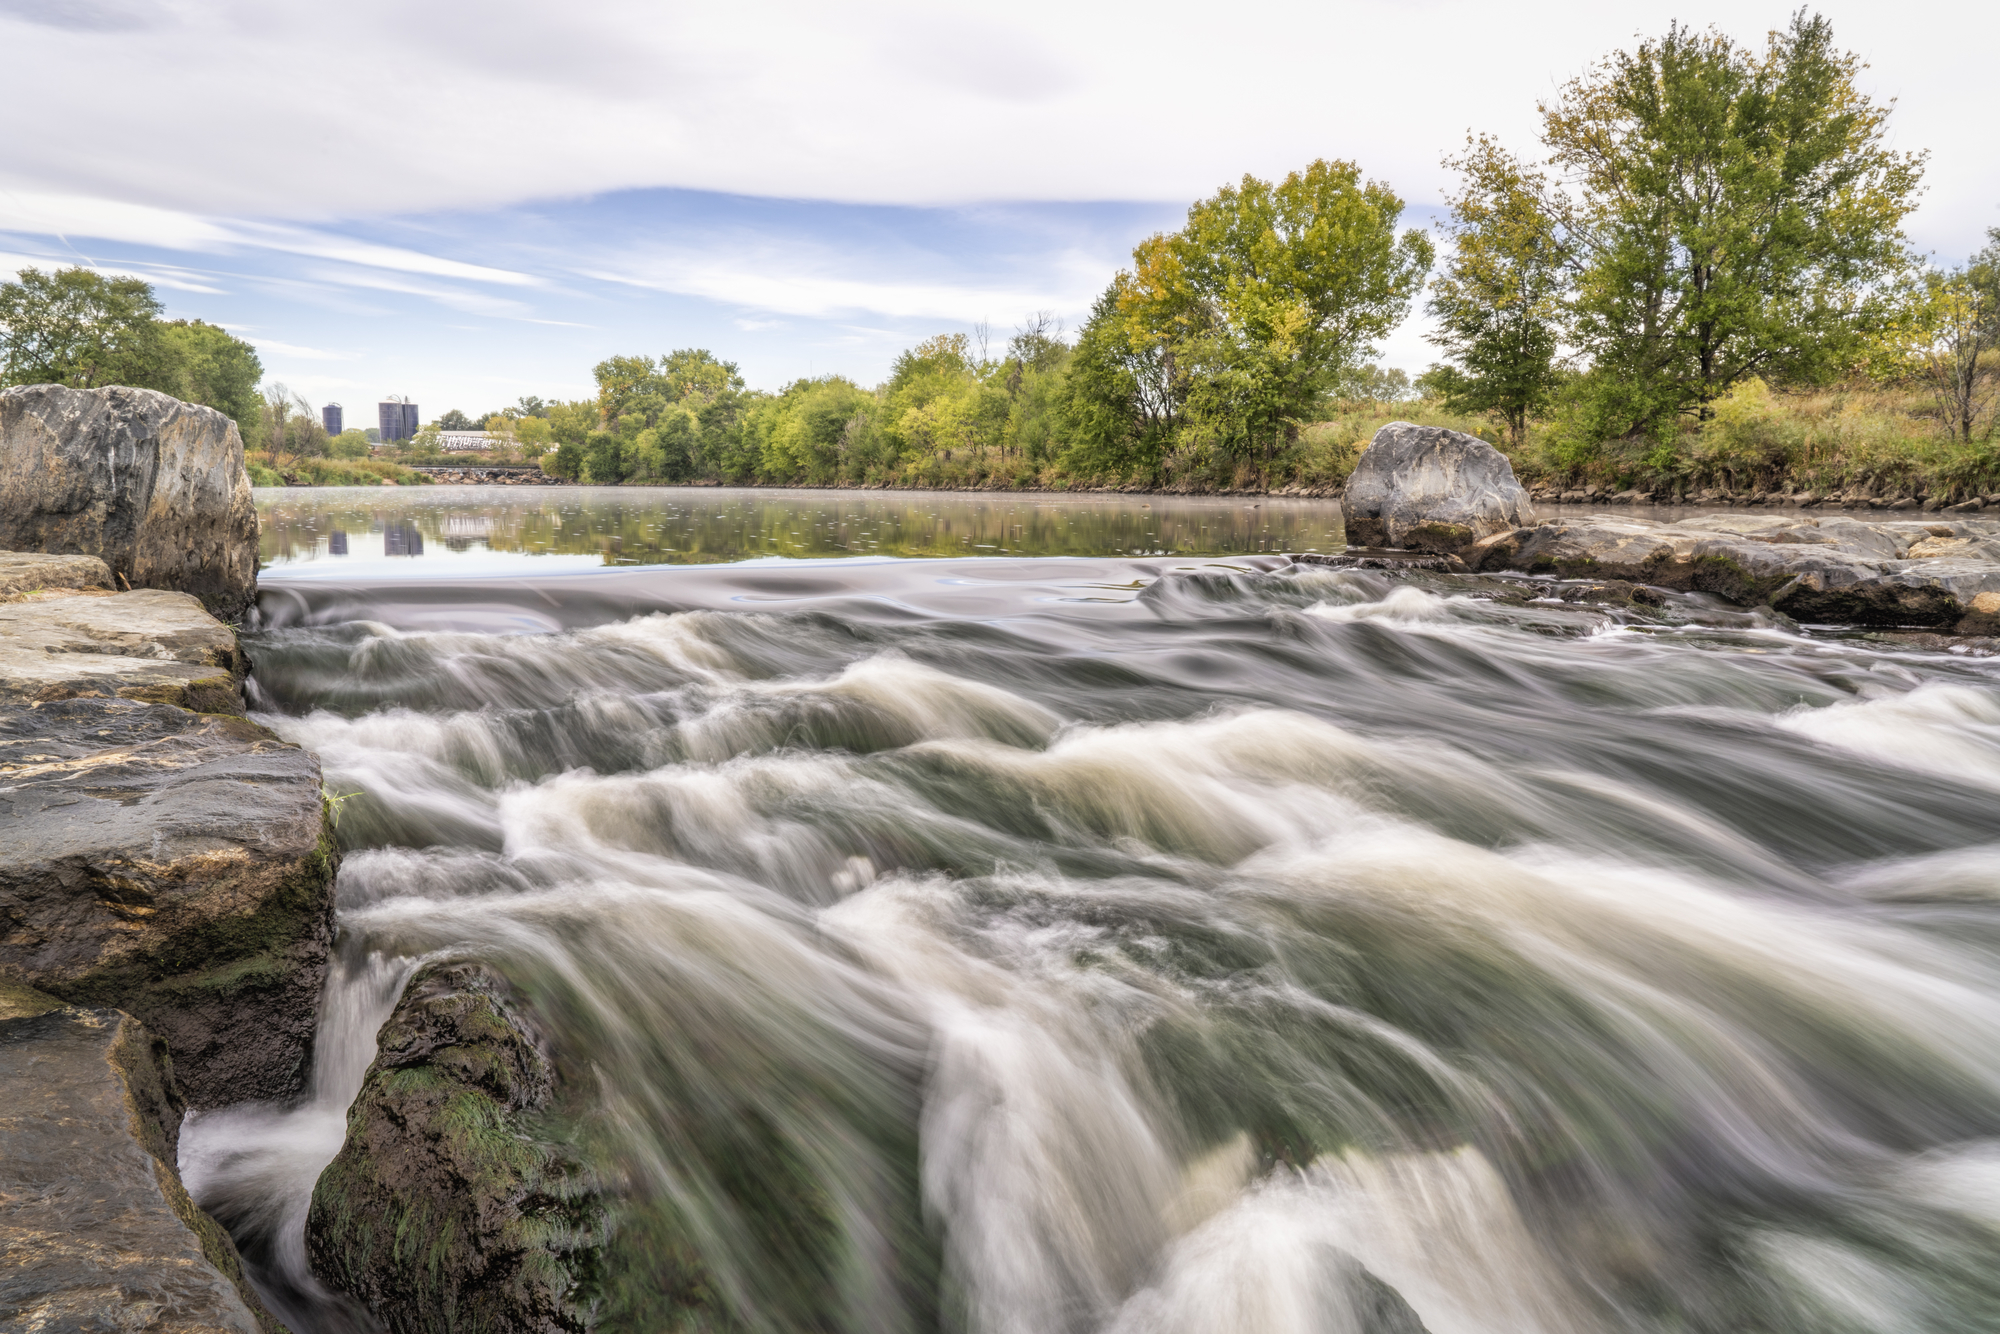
{"type": "Point", "coordinates": [155, 487]}
{"type": "Point", "coordinates": [175, 865]}
{"type": "Point", "coordinates": [146, 645]}
{"type": "Point", "coordinates": [26, 572]}
{"type": "Point", "coordinates": [1982, 616]}
{"type": "Point", "coordinates": [96, 1232]}
{"type": "Point", "coordinates": [1432, 488]}
{"type": "Point", "coordinates": [450, 1206]}
{"type": "Point", "coordinates": [1385, 560]}
{"type": "Point", "coordinates": [1831, 570]}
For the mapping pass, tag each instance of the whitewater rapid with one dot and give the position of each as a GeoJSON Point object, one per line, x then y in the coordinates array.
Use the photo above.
{"type": "Point", "coordinates": [1156, 946]}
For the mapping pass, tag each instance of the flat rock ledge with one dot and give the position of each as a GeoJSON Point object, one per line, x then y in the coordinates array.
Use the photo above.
{"type": "Point", "coordinates": [150, 645]}
{"type": "Point", "coordinates": [160, 853]}
{"type": "Point", "coordinates": [25, 575]}
{"type": "Point", "coordinates": [96, 1231]}
{"type": "Point", "coordinates": [1939, 572]}
{"type": "Point", "coordinates": [166, 907]}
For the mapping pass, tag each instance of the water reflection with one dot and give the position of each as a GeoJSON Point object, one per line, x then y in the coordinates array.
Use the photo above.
{"type": "Point", "coordinates": [499, 526]}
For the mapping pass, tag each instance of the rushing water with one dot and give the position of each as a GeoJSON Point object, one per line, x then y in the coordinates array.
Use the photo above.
{"type": "Point", "coordinates": [1202, 944]}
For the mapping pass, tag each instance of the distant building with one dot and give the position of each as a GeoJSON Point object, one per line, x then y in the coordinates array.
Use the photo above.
{"type": "Point", "coordinates": [457, 440]}
{"type": "Point", "coordinates": [402, 539]}
{"type": "Point", "coordinates": [398, 419]}
{"type": "Point", "coordinates": [330, 417]}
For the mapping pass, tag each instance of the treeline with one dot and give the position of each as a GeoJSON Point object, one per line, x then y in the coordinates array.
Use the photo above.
{"type": "Point", "coordinates": [1703, 280]}
{"type": "Point", "coordinates": [81, 328]}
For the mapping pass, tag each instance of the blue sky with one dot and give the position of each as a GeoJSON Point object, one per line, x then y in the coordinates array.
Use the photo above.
{"type": "Point", "coordinates": [468, 203]}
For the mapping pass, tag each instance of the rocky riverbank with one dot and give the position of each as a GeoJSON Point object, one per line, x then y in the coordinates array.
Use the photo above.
{"type": "Point", "coordinates": [166, 865]}
{"type": "Point", "coordinates": [1455, 497]}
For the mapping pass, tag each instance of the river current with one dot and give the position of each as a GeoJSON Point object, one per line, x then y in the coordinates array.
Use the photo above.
{"type": "Point", "coordinates": [1179, 942]}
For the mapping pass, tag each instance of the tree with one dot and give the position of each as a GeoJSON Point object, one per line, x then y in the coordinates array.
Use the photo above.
{"type": "Point", "coordinates": [211, 366]}
{"type": "Point", "coordinates": [80, 328]}
{"type": "Point", "coordinates": [1500, 303]}
{"type": "Point", "coordinates": [1730, 214]}
{"type": "Point", "coordinates": [1236, 324]}
{"type": "Point", "coordinates": [349, 444]}
{"type": "Point", "coordinates": [1961, 327]}
{"type": "Point", "coordinates": [287, 424]}
{"type": "Point", "coordinates": [455, 420]}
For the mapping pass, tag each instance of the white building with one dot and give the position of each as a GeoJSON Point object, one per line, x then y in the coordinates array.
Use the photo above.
{"type": "Point", "coordinates": [454, 441]}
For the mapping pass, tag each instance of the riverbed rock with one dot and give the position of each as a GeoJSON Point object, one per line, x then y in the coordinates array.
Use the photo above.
{"type": "Point", "coordinates": [449, 1205]}
{"type": "Point", "coordinates": [1426, 487]}
{"type": "Point", "coordinates": [146, 645]}
{"type": "Point", "coordinates": [176, 865]}
{"type": "Point", "coordinates": [155, 487]}
{"type": "Point", "coordinates": [1835, 569]}
{"type": "Point", "coordinates": [96, 1232]}
{"type": "Point", "coordinates": [27, 573]}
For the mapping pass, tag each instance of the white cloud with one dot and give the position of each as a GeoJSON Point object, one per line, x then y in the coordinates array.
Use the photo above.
{"type": "Point", "coordinates": [302, 110]}
{"type": "Point", "coordinates": [86, 218]}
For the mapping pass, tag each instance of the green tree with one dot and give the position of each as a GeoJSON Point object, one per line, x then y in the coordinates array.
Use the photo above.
{"type": "Point", "coordinates": [211, 366]}
{"type": "Point", "coordinates": [349, 444]}
{"type": "Point", "coordinates": [1236, 324]}
{"type": "Point", "coordinates": [1731, 214]}
{"type": "Point", "coordinates": [1502, 300]}
{"type": "Point", "coordinates": [455, 420]}
{"type": "Point", "coordinates": [80, 328]}
{"type": "Point", "coordinates": [1959, 328]}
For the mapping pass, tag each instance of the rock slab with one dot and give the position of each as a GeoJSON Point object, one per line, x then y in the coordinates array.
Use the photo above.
{"type": "Point", "coordinates": [175, 865]}
{"type": "Point", "coordinates": [446, 1208]}
{"type": "Point", "coordinates": [1430, 488]}
{"type": "Point", "coordinates": [147, 645]}
{"type": "Point", "coordinates": [155, 487]}
{"type": "Point", "coordinates": [23, 573]}
{"type": "Point", "coordinates": [96, 1232]}
{"type": "Point", "coordinates": [1942, 573]}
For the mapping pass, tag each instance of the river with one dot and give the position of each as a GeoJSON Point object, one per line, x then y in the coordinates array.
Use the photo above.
{"type": "Point", "coordinates": [1128, 929]}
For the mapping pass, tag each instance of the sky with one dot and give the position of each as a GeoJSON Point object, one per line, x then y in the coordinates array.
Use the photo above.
{"type": "Point", "coordinates": [465, 203]}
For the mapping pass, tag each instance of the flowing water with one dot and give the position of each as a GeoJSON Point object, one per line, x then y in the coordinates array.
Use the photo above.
{"type": "Point", "coordinates": [1181, 943]}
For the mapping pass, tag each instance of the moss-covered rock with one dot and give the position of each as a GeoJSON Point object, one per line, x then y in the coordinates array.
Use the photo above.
{"type": "Point", "coordinates": [457, 1201]}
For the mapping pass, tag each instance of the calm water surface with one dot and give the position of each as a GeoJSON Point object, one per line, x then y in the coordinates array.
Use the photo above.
{"type": "Point", "coordinates": [1152, 943]}
{"type": "Point", "coordinates": [342, 529]}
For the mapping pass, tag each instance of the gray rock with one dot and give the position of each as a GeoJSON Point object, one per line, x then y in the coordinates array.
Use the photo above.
{"type": "Point", "coordinates": [147, 645]}
{"type": "Point", "coordinates": [1430, 488]}
{"type": "Point", "coordinates": [175, 865]}
{"type": "Point", "coordinates": [96, 1232]}
{"type": "Point", "coordinates": [1832, 570]}
{"type": "Point", "coordinates": [26, 572]}
{"type": "Point", "coordinates": [155, 487]}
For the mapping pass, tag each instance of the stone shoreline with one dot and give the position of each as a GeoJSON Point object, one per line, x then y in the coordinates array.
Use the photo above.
{"type": "Point", "coordinates": [1938, 573]}
{"type": "Point", "coordinates": [166, 910]}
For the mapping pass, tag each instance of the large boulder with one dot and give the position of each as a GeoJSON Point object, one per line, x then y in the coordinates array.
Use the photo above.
{"type": "Point", "coordinates": [1432, 489]}
{"type": "Point", "coordinates": [450, 1206]}
{"type": "Point", "coordinates": [175, 865]}
{"type": "Point", "coordinates": [96, 1231]}
{"type": "Point", "coordinates": [154, 486]}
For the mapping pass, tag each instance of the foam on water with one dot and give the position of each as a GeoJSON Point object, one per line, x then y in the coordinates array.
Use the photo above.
{"type": "Point", "coordinates": [1267, 950]}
